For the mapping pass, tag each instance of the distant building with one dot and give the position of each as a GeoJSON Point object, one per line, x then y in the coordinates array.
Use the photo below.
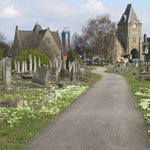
{"type": "Point", "coordinates": [129, 34]}
{"type": "Point", "coordinates": [65, 42]}
{"type": "Point", "coordinates": [146, 47]}
{"type": "Point", "coordinates": [114, 48]}
{"type": "Point", "coordinates": [45, 41]}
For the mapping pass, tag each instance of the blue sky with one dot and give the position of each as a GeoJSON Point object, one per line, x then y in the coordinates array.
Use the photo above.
{"type": "Point", "coordinates": [57, 14]}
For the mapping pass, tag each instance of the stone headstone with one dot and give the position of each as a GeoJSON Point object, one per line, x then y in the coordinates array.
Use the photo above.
{"type": "Point", "coordinates": [7, 73]}
{"type": "Point", "coordinates": [17, 103]}
{"type": "Point", "coordinates": [136, 64]}
{"type": "Point", "coordinates": [39, 62]}
{"type": "Point", "coordinates": [69, 66]}
{"type": "Point", "coordinates": [18, 67]}
{"type": "Point", "coordinates": [74, 67]}
{"type": "Point", "coordinates": [15, 65]}
{"type": "Point", "coordinates": [56, 63]}
{"type": "Point", "coordinates": [41, 76]}
{"type": "Point", "coordinates": [122, 64]}
{"type": "Point", "coordinates": [23, 67]}
{"type": "Point", "coordinates": [4, 104]}
{"type": "Point", "coordinates": [35, 65]}
{"type": "Point", "coordinates": [64, 64]}
{"type": "Point", "coordinates": [78, 68]}
{"type": "Point", "coordinates": [30, 63]}
{"type": "Point", "coordinates": [51, 65]}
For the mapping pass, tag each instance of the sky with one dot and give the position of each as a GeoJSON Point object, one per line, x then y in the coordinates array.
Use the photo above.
{"type": "Point", "coordinates": [58, 14]}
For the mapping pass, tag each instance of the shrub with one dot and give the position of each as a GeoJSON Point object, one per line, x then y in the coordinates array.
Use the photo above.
{"type": "Point", "coordinates": [71, 55]}
{"type": "Point", "coordinates": [1, 53]}
{"type": "Point", "coordinates": [34, 52]}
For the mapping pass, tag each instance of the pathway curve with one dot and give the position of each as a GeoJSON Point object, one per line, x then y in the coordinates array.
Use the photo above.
{"type": "Point", "coordinates": [106, 117]}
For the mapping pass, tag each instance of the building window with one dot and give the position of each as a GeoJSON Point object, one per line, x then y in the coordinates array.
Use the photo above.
{"type": "Point", "coordinates": [134, 40]}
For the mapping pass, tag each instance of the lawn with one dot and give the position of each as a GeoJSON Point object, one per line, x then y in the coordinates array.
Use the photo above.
{"type": "Point", "coordinates": [141, 90]}
{"type": "Point", "coordinates": [26, 122]}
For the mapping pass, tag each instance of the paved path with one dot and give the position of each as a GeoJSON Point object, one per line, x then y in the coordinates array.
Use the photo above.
{"type": "Point", "coordinates": [106, 117]}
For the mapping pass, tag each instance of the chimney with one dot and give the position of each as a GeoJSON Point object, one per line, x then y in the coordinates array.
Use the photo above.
{"type": "Point", "coordinates": [16, 28]}
{"type": "Point", "coordinates": [145, 38]}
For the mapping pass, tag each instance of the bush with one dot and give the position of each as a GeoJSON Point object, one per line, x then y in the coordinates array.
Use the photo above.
{"type": "Point", "coordinates": [1, 53]}
{"type": "Point", "coordinates": [34, 52]}
{"type": "Point", "coordinates": [71, 55]}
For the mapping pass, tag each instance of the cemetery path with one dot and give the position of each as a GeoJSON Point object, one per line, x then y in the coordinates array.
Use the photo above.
{"type": "Point", "coordinates": [106, 117]}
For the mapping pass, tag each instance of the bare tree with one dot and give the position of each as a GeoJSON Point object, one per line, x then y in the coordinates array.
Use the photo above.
{"type": "Point", "coordinates": [2, 37]}
{"type": "Point", "coordinates": [96, 30]}
{"type": "Point", "coordinates": [81, 45]}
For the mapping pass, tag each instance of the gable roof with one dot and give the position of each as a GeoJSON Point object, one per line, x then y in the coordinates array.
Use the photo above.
{"type": "Point", "coordinates": [129, 16]}
{"type": "Point", "coordinates": [57, 39]}
{"type": "Point", "coordinates": [33, 38]}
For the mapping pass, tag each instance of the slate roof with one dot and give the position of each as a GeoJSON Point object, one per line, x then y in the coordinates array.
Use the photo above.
{"type": "Point", "coordinates": [129, 15]}
{"type": "Point", "coordinates": [57, 39]}
{"type": "Point", "coordinates": [33, 38]}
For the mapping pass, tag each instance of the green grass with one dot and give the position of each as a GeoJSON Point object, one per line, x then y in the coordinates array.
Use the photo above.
{"type": "Point", "coordinates": [16, 137]}
{"type": "Point", "coordinates": [139, 86]}
{"type": "Point", "coordinates": [97, 65]}
{"type": "Point", "coordinates": [95, 78]}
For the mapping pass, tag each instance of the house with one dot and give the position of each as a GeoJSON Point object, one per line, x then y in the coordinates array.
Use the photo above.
{"type": "Point", "coordinates": [45, 41]}
{"type": "Point", "coordinates": [146, 48]}
{"type": "Point", "coordinates": [113, 48]}
{"type": "Point", "coordinates": [129, 34]}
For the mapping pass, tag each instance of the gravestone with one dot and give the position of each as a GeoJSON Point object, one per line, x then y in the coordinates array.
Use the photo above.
{"type": "Point", "coordinates": [15, 65]}
{"type": "Point", "coordinates": [55, 72]}
{"type": "Point", "coordinates": [39, 62]}
{"type": "Point", "coordinates": [41, 76]}
{"type": "Point", "coordinates": [34, 64]}
{"type": "Point", "coordinates": [18, 67]}
{"type": "Point", "coordinates": [23, 67]}
{"type": "Point", "coordinates": [17, 103]}
{"type": "Point", "coordinates": [30, 64]}
{"type": "Point", "coordinates": [69, 66]}
{"type": "Point", "coordinates": [64, 65]}
{"type": "Point", "coordinates": [5, 104]}
{"type": "Point", "coordinates": [7, 73]}
{"type": "Point", "coordinates": [56, 63]}
{"type": "Point", "coordinates": [51, 65]}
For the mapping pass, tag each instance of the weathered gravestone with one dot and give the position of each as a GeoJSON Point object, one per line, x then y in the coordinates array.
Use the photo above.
{"type": "Point", "coordinates": [30, 64]}
{"type": "Point", "coordinates": [39, 60]}
{"type": "Point", "coordinates": [41, 76]}
{"type": "Point", "coordinates": [15, 63]}
{"type": "Point", "coordinates": [17, 103]}
{"type": "Point", "coordinates": [55, 71]}
{"type": "Point", "coordinates": [7, 73]}
{"type": "Point", "coordinates": [23, 67]}
{"type": "Point", "coordinates": [35, 65]}
{"type": "Point", "coordinates": [18, 67]}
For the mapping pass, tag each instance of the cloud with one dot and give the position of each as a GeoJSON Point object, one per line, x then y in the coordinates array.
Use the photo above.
{"type": "Point", "coordinates": [9, 12]}
{"type": "Point", "coordinates": [57, 14]}
{"type": "Point", "coordinates": [94, 6]}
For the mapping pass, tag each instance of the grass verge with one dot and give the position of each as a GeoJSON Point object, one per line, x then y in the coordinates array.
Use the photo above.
{"type": "Point", "coordinates": [141, 90]}
{"type": "Point", "coordinates": [27, 123]}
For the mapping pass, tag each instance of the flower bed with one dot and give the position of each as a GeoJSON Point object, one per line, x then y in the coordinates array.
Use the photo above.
{"type": "Point", "coordinates": [144, 103]}
{"type": "Point", "coordinates": [62, 99]}
{"type": "Point", "coordinates": [26, 122]}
